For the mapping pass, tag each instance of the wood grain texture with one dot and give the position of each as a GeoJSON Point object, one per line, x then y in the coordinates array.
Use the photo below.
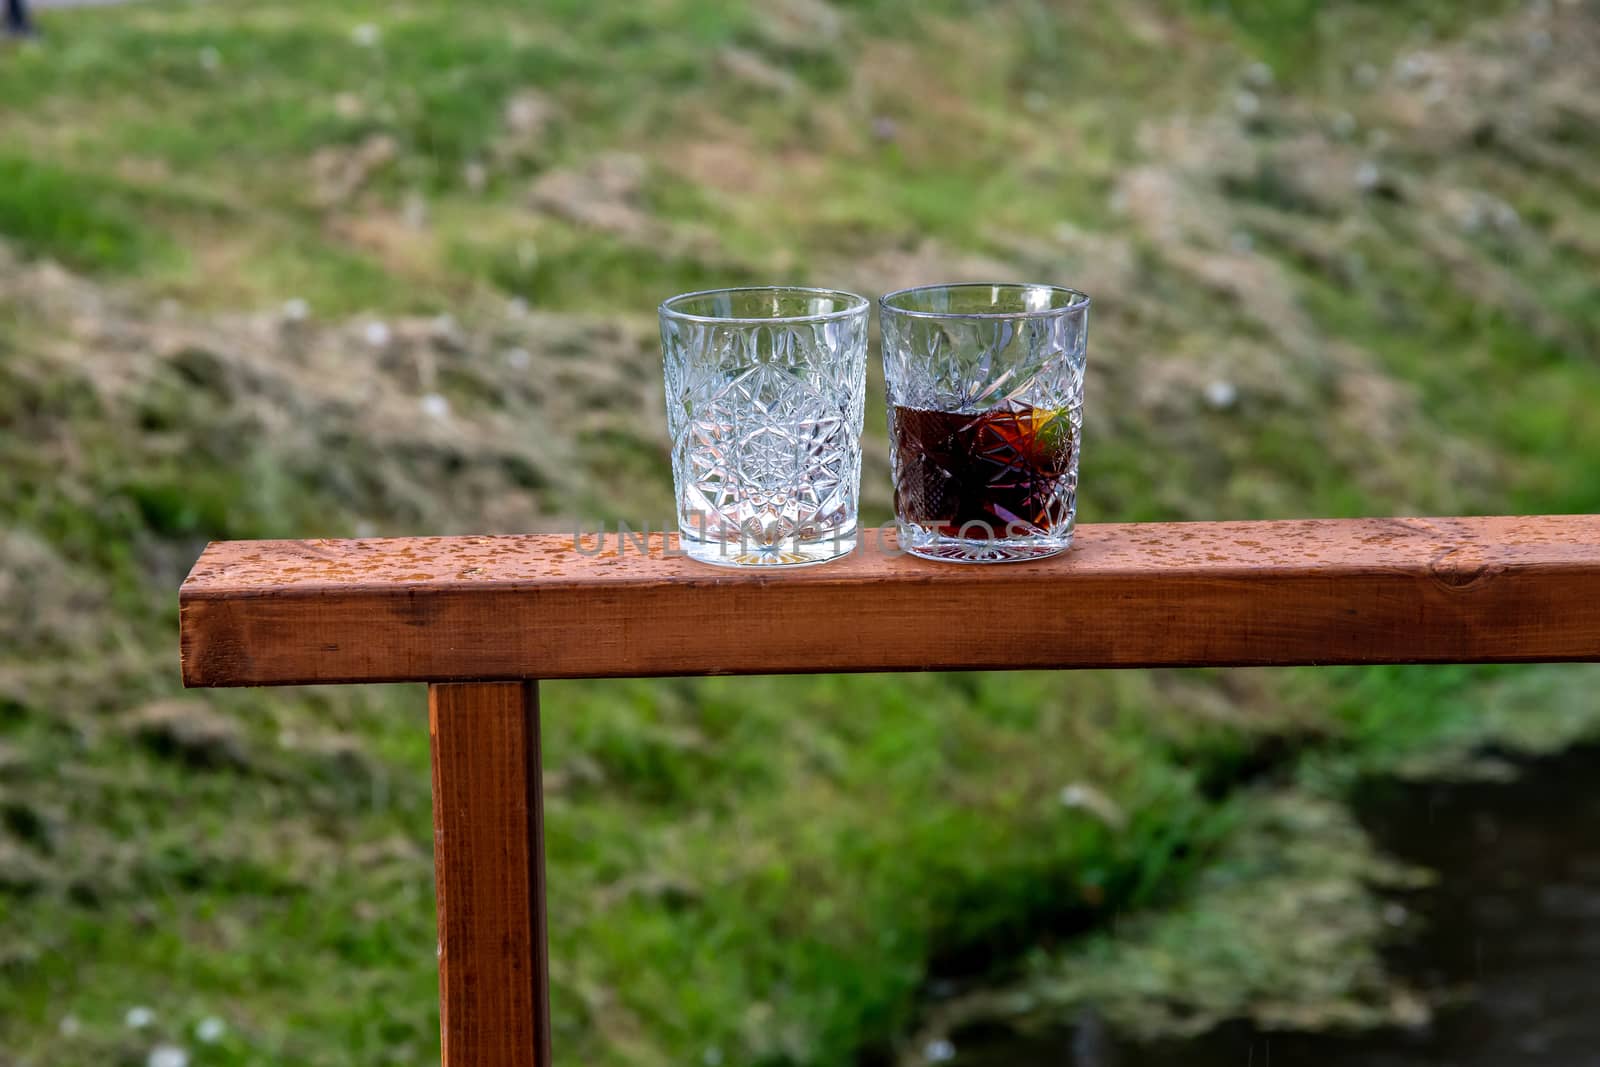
{"type": "Point", "coordinates": [1180, 594]}
{"type": "Point", "coordinates": [488, 843]}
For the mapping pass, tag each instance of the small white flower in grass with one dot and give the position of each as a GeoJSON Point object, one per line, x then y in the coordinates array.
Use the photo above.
{"type": "Point", "coordinates": [366, 35]}
{"type": "Point", "coordinates": [167, 1056]}
{"type": "Point", "coordinates": [435, 406]}
{"type": "Point", "coordinates": [527, 112]}
{"type": "Point", "coordinates": [210, 58]}
{"type": "Point", "coordinates": [366, 529]}
{"type": "Point", "coordinates": [1221, 395]}
{"type": "Point", "coordinates": [70, 1026]}
{"type": "Point", "coordinates": [1258, 74]}
{"type": "Point", "coordinates": [415, 210]}
{"type": "Point", "coordinates": [139, 1017]}
{"type": "Point", "coordinates": [1368, 176]}
{"type": "Point", "coordinates": [516, 307]}
{"type": "Point", "coordinates": [1247, 103]}
{"type": "Point", "coordinates": [940, 1051]}
{"type": "Point", "coordinates": [1086, 797]}
{"type": "Point", "coordinates": [296, 310]}
{"type": "Point", "coordinates": [518, 358]}
{"type": "Point", "coordinates": [1505, 216]}
{"type": "Point", "coordinates": [712, 1057]}
{"type": "Point", "coordinates": [1414, 67]}
{"type": "Point", "coordinates": [376, 334]}
{"type": "Point", "coordinates": [210, 1029]}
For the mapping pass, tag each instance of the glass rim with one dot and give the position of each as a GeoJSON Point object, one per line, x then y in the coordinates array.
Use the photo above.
{"type": "Point", "coordinates": [1080, 301]}
{"type": "Point", "coordinates": [855, 303]}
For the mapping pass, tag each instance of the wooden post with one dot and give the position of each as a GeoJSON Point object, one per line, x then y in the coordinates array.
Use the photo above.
{"type": "Point", "coordinates": [488, 843]}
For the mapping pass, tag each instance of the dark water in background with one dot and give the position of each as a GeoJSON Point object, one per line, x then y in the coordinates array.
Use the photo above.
{"type": "Point", "coordinates": [1515, 920]}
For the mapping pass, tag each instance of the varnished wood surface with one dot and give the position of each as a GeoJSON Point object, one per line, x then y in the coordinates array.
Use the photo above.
{"type": "Point", "coordinates": [1234, 593]}
{"type": "Point", "coordinates": [488, 842]}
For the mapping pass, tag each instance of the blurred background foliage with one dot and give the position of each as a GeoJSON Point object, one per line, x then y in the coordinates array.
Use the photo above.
{"type": "Point", "coordinates": [308, 269]}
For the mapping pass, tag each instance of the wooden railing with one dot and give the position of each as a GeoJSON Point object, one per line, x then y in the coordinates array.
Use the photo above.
{"type": "Point", "coordinates": [481, 618]}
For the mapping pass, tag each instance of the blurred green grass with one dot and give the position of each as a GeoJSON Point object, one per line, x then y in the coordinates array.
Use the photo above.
{"type": "Point", "coordinates": [84, 221]}
{"type": "Point", "coordinates": [761, 870]}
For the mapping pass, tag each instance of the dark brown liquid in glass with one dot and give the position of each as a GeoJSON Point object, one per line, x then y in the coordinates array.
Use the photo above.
{"type": "Point", "coordinates": [981, 476]}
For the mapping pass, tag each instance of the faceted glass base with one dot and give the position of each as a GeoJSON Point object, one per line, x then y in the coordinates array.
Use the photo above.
{"type": "Point", "coordinates": [787, 553]}
{"type": "Point", "coordinates": [929, 544]}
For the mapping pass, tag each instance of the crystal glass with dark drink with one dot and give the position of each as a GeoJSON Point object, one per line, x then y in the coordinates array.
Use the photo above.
{"type": "Point", "coordinates": [985, 415]}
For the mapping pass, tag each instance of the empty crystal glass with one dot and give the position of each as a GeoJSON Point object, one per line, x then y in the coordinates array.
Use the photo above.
{"type": "Point", "coordinates": [985, 411]}
{"type": "Point", "coordinates": [765, 390]}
